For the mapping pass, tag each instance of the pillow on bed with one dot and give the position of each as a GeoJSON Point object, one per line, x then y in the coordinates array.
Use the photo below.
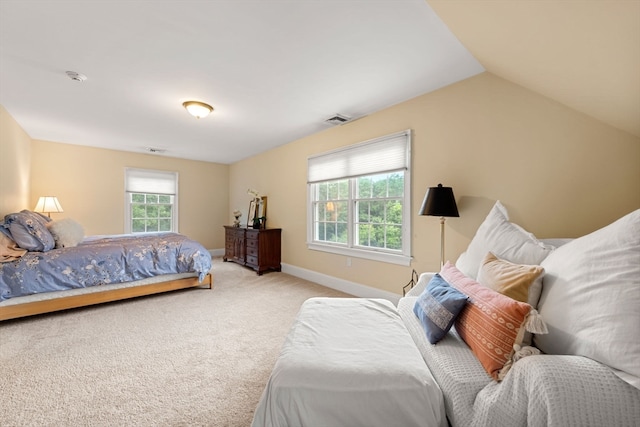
{"type": "Point", "coordinates": [591, 298]}
{"type": "Point", "coordinates": [491, 323]}
{"type": "Point", "coordinates": [28, 229]}
{"type": "Point", "coordinates": [505, 239]}
{"type": "Point", "coordinates": [518, 281]}
{"type": "Point", "coordinates": [66, 232]}
{"type": "Point", "coordinates": [437, 308]}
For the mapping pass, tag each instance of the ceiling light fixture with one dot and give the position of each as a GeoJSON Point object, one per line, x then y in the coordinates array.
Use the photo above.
{"type": "Point", "coordinates": [197, 109]}
{"type": "Point", "coordinates": [76, 77]}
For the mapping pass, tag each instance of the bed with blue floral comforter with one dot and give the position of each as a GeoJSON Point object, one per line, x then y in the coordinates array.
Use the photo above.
{"type": "Point", "coordinates": [101, 261]}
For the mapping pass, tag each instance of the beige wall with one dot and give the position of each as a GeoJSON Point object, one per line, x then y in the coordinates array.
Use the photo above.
{"type": "Point", "coordinates": [560, 173]}
{"type": "Point", "coordinates": [15, 160]}
{"type": "Point", "coordinates": [89, 183]}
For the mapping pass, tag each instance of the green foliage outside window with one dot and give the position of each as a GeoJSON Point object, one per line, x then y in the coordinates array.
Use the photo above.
{"type": "Point", "coordinates": [151, 213]}
{"type": "Point", "coordinates": [378, 211]}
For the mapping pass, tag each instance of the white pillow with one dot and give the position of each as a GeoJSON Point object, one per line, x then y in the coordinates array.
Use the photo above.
{"type": "Point", "coordinates": [505, 240]}
{"type": "Point", "coordinates": [591, 298]}
{"type": "Point", "coordinates": [66, 232]}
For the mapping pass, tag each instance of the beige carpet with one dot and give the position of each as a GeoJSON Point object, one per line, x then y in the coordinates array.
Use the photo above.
{"type": "Point", "coordinates": [196, 357]}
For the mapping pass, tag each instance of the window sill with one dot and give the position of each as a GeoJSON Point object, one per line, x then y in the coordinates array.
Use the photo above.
{"type": "Point", "coordinates": [359, 253]}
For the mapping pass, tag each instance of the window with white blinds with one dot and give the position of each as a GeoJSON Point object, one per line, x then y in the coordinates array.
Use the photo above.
{"type": "Point", "coordinates": [359, 200]}
{"type": "Point", "coordinates": [385, 154]}
{"type": "Point", "coordinates": [151, 201]}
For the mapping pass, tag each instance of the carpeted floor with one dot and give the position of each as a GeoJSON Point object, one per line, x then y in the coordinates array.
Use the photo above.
{"type": "Point", "coordinates": [195, 357]}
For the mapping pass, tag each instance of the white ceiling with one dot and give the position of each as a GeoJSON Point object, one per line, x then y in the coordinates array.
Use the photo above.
{"type": "Point", "coordinates": [273, 70]}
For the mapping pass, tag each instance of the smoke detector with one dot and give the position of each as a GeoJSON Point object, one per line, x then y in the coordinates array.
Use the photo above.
{"type": "Point", "coordinates": [76, 77]}
{"type": "Point", "coordinates": [338, 119]}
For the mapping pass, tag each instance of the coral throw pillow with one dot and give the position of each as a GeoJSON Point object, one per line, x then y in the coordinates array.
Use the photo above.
{"type": "Point", "coordinates": [491, 323]}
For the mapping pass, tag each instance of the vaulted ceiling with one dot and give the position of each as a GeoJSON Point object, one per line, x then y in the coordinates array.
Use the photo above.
{"type": "Point", "coordinates": [276, 70]}
{"type": "Point", "coordinates": [582, 53]}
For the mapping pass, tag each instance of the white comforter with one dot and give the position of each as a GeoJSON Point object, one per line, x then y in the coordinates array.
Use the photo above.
{"type": "Point", "coordinates": [350, 362]}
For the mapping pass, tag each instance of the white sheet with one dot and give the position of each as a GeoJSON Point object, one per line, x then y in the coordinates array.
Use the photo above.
{"type": "Point", "coordinates": [350, 362]}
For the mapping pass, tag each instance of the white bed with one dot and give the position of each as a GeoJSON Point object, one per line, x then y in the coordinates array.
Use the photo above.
{"type": "Point", "coordinates": [350, 362]}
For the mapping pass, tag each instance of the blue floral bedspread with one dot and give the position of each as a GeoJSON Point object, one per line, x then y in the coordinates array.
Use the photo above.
{"type": "Point", "coordinates": [103, 260]}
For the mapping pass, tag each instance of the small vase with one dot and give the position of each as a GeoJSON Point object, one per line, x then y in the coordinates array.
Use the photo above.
{"type": "Point", "coordinates": [256, 224]}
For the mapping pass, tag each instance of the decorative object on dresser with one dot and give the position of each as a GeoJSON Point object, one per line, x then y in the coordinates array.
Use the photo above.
{"type": "Point", "coordinates": [439, 201]}
{"type": "Point", "coordinates": [237, 214]}
{"type": "Point", "coordinates": [258, 249]}
{"type": "Point", "coordinates": [257, 215]}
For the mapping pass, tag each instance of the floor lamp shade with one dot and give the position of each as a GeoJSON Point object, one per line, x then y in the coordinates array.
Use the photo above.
{"type": "Point", "coordinates": [439, 201]}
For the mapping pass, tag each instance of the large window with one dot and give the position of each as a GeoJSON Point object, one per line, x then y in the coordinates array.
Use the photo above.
{"type": "Point", "coordinates": [150, 201]}
{"type": "Point", "coordinates": [359, 200]}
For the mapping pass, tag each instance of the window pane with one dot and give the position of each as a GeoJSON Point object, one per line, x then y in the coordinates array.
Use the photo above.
{"type": "Point", "coordinates": [322, 191]}
{"type": "Point", "coordinates": [343, 211]}
{"type": "Point", "coordinates": [137, 198]}
{"type": "Point", "coordinates": [333, 190]}
{"type": "Point", "coordinates": [363, 211]}
{"type": "Point", "coordinates": [152, 225]}
{"type": "Point", "coordinates": [320, 235]}
{"type": "Point", "coordinates": [152, 211]}
{"type": "Point", "coordinates": [396, 184]}
{"type": "Point", "coordinates": [394, 237]}
{"type": "Point", "coordinates": [138, 211]}
{"type": "Point", "coordinates": [138, 226]}
{"type": "Point", "coordinates": [376, 211]}
{"type": "Point", "coordinates": [164, 211]}
{"type": "Point", "coordinates": [164, 199]}
{"type": "Point", "coordinates": [343, 233]}
{"type": "Point", "coordinates": [363, 234]}
{"type": "Point", "coordinates": [152, 198]}
{"type": "Point", "coordinates": [165, 225]}
{"type": "Point", "coordinates": [394, 212]}
{"type": "Point", "coordinates": [364, 187]}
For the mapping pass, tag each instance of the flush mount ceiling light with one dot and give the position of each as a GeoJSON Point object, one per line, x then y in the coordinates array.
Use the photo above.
{"type": "Point", "coordinates": [76, 77]}
{"type": "Point", "coordinates": [197, 109]}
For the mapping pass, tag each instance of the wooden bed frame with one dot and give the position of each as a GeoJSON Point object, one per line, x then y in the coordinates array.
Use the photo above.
{"type": "Point", "coordinates": [75, 301]}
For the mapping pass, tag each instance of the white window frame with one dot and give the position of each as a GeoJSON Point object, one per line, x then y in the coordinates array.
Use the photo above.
{"type": "Point", "coordinates": [149, 181]}
{"type": "Point", "coordinates": [346, 163]}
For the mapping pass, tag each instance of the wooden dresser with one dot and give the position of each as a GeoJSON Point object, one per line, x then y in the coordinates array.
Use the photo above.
{"type": "Point", "coordinates": [258, 249]}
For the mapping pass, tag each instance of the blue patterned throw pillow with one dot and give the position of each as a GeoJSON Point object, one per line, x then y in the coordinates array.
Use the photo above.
{"type": "Point", "coordinates": [437, 308]}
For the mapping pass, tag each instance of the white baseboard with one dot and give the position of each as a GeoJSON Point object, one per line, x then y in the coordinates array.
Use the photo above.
{"type": "Point", "coordinates": [216, 252]}
{"type": "Point", "coordinates": [342, 285]}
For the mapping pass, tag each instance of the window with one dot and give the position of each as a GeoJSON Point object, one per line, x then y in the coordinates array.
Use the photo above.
{"type": "Point", "coordinates": [359, 200]}
{"type": "Point", "coordinates": [150, 201]}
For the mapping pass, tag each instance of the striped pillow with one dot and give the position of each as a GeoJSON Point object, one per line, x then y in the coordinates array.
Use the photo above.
{"type": "Point", "coordinates": [491, 323]}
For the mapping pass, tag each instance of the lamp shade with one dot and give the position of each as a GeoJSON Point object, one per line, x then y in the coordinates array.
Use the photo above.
{"type": "Point", "coordinates": [439, 201]}
{"type": "Point", "coordinates": [48, 204]}
{"type": "Point", "coordinates": [197, 109]}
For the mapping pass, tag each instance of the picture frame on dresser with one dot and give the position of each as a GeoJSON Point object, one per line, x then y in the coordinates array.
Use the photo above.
{"type": "Point", "coordinates": [257, 210]}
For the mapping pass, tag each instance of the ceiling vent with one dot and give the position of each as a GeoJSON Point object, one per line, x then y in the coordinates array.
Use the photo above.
{"type": "Point", "coordinates": [338, 119]}
{"type": "Point", "coordinates": [155, 150]}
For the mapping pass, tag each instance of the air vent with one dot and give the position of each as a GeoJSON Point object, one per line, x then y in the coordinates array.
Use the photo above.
{"type": "Point", "coordinates": [155, 150]}
{"type": "Point", "coordinates": [338, 119]}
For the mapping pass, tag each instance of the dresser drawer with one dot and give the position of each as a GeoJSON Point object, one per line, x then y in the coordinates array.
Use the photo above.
{"type": "Point", "coordinates": [252, 243]}
{"type": "Point", "coordinates": [252, 250]}
{"type": "Point", "coordinates": [252, 260]}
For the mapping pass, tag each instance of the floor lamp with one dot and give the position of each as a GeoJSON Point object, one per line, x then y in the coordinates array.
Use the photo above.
{"type": "Point", "coordinates": [439, 201]}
